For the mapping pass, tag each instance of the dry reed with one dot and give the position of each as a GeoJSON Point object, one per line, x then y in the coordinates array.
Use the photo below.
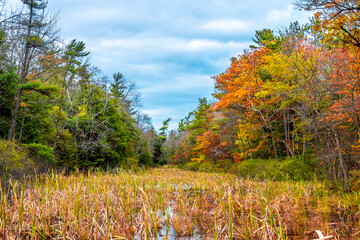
{"type": "Point", "coordinates": [168, 203]}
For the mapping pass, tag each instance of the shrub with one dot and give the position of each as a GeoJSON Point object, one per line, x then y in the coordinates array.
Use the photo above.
{"type": "Point", "coordinates": [294, 168]}
{"type": "Point", "coordinates": [355, 180]}
{"type": "Point", "coordinates": [42, 152]}
{"type": "Point", "coordinates": [192, 166]}
{"type": "Point", "coordinates": [42, 155]}
{"type": "Point", "coordinates": [132, 164]}
{"type": "Point", "coordinates": [14, 160]}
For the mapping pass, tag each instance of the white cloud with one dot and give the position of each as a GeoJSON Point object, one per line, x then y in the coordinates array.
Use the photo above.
{"type": "Point", "coordinates": [159, 112]}
{"type": "Point", "coordinates": [182, 84]}
{"type": "Point", "coordinates": [97, 15]}
{"type": "Point", "coordinates": [147, 68]}
{"type": "Point", "coordinates": [227, 26]}
{"type": "Point", "coordinates": [280, 15]}
{"type": "Point", "coordinates": [167, 45]}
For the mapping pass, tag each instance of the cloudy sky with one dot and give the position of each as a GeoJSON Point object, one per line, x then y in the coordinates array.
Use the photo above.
{"type": "Point", "coordinates": [170, 48]}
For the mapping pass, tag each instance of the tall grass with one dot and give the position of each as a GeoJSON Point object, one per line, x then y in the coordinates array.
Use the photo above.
{"type": "Point", "coordinates": [168, 203]}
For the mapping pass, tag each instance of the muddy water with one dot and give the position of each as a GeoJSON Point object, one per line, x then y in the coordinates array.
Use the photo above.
{"type": "Point", "coordinates": [167, 232]}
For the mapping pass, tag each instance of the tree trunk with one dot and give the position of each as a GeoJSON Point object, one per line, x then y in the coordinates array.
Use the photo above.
{"type": "Point", "coordinates": [287, 134]}
{"type": "Point", "coordinates": [274, 145]}
{"type": "Point", "coordinates": [341, 159]}
{"type": "Point", "coordinates": [23, 75]}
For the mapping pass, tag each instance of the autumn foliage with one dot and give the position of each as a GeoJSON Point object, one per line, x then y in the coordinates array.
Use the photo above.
{"type": "Point", "coordinates": [293, 95]}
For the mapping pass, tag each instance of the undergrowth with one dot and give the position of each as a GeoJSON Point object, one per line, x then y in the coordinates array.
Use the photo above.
{"type": "Point", "coordinates": [292, 168]}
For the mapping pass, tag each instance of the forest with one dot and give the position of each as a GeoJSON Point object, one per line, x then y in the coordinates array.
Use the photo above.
{"type": "Point", "coordinates": [288, 105]}
{"type": "Point", "coordinates": [273, 155]}
{"type": "Point", "coordinates": [59, 111]}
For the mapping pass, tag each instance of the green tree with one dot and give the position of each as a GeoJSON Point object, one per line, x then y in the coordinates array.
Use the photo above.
{"type": "Point", "coordinates": [125, 91]}
{"type": "Point", "coordinates": [36, 34]}
{"type": "Point", "coordinates": [267, 38]}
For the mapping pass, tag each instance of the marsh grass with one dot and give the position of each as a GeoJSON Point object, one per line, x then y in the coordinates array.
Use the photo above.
{"type": "Point", "coordinates": [169, 203]}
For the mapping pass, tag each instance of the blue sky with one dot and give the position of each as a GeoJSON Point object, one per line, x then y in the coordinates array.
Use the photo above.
{"type": "Point", "coordinates": [169, 48]}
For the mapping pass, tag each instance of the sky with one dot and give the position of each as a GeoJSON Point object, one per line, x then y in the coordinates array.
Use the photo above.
{"type": "Point", "coordinates": [170, 48]}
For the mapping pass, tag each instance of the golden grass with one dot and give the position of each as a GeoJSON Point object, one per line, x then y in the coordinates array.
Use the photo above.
{"type": "Point", "coordinates": [158, 203]}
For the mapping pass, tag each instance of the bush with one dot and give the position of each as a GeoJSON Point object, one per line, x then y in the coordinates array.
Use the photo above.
{"type": "Point", "coordinates": [14, 160]}
{"type": "Point", "coordinates": [146, 159]}
{"type": "Point", "coordinates": [42, 155]}
{"type": "Point", "coordinates": [42, 152]}
{"type": "Point", "coordinates": [132, 164]}
{"type": "Point", "coordinates": [355, 180]}
{"type": "Point", "coordinates": [191, 166]}
{"type": "Point", "coordinates": [294, 168]}
{"type": "Point", "coordinates": [208, 166]}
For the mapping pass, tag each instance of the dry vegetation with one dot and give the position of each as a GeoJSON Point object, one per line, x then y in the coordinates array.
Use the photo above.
{"type": "Point", "coordinates": [169, 204]}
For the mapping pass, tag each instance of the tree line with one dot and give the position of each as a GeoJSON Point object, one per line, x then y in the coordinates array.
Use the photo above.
{"type": "Point", "coordinates": [56, 109]}
{"type": "Point", "coordinates": [294, 94]}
